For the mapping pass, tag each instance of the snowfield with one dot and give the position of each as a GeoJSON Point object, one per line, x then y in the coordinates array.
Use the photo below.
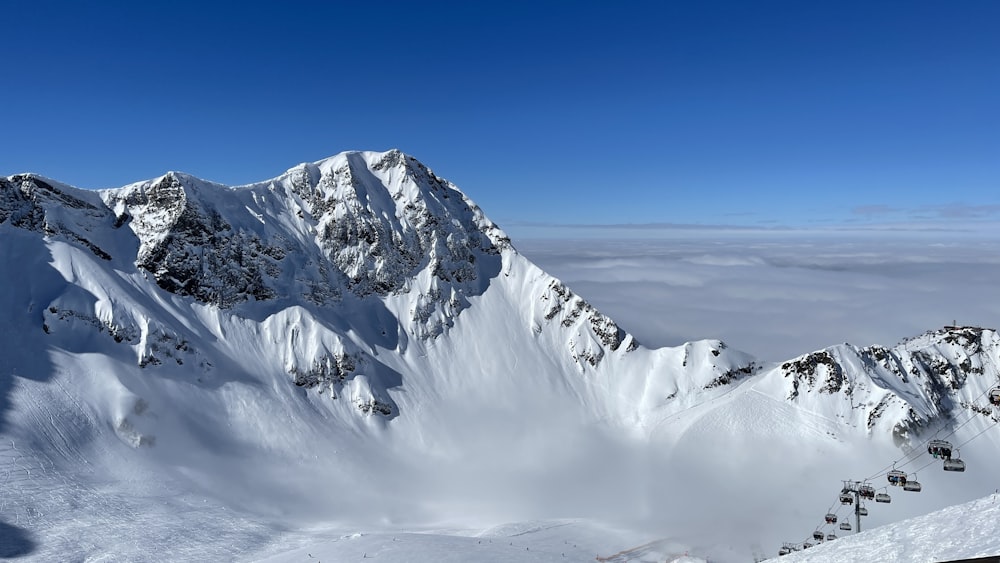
{"type": "Point", "coordinates": [352, 361]}
{"type": "Point", "coordinates": [963, 531]}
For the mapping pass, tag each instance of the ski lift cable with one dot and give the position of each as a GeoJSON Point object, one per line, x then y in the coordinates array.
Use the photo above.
{"type": "Point", "coordinates": [836, 506]}
{"type": "Point", "coordinates": [981, 432]}
{"type": "Point", "coordinates": [925, 466]}
{"type": "Point", "coordinates": [950, 434]}
{"type": "Point", "coordinates": [933, 461]}
{"type": "Point", "coordinates": [919, 451]}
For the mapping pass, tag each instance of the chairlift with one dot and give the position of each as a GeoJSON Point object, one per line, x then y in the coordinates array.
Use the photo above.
{"type": "Point", "coordinates": [846, 498]}
{"type": "Point", "coordinates": [995, 396]}
{"type": "Point", "coordinates": [806, 545]}
{"type": "Point", "coordinates": [785, 550]}
{"type": "Point", "coordinates": [845, 526]}
{"type": "Point", "coordinates": [866, 491]}
{"type": "Point", "coordinates": [818, 535]}
{"type": "Point", "coordinates": [939, 448]}
{"type": "Point", "coordinates": [831, 518]}
{"type": "Point", "coordinates": [912, 486]}
{"type": "Point", "coordinates": [862, 511]}
{"type": "Point", "coordinates": [831, 537]}
{"type": "Point", "coordinates": [883, 497]}
{"type": "Point", "coordinates": [954, 465]}
{"type": "Point", "coordinates": [896, 477]}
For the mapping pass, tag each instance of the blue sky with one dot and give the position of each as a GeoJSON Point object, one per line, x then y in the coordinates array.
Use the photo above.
{"type": "Point", "coordinates": [759, 114]}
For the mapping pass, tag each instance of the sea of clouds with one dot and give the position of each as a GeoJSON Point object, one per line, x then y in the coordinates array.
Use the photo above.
{"type": "Point", "coordinates": [780, 294]}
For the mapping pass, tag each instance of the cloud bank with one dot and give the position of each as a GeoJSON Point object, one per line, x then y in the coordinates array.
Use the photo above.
{"type": "Point", "coordinates": [781, 294]}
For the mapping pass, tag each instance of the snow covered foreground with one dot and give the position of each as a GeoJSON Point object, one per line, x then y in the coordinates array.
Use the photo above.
{"type": "Point", "coordinates": [353, 352]}
{"type": "Point", "coordinates": [963, 531]}
{"type": "Point", "coordinates": [551, 541]}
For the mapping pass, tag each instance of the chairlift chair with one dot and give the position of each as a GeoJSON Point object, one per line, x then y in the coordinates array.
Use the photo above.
{"type": "Point", "coordinates": [883, 497]}
{"type": "Point", "coordinates": [831, 518]}
{"type": "Point", "coordinates": [995, 396]}
{"type": "Point", "coordinates": [831, 537]}
{"type": "Point", "coordinates": [818, 535]}
{"type": "Point", "coordinates": [954, 465]}
{"type": "Point", "coordinates": [896, 477]}
{"type": "Point", "coordinates": [939, 448]}
{"type": "Point", "coordinates": [846, 498]}
{"type": "Point", "coordinates": [862, 511]}
{"type": "Point", "coordinates": [785, 550]}
{"type": "Point", "coordinates": [806, 545]}
{"type": "Point", "coordinates": [845, 526]}
{"type": "Point", "coordinates": [913, 486]}
{"type": "Point", "coordinates": [866, 491]}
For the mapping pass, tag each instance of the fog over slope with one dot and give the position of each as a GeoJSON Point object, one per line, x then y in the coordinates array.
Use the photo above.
{"type": "Point", "coordinates": [194, 371]}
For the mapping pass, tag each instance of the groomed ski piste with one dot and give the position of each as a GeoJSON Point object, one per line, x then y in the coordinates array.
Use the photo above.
{"type": "Point", "coordinates": [352, 389]}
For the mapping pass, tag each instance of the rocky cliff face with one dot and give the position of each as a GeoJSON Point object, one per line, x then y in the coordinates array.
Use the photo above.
{"type": "Point", "coordinates": [37, 204]}
{"type": "Point", "coordinates": [366, 224]}
{"type": "Point", "coordinates": [923, 382]}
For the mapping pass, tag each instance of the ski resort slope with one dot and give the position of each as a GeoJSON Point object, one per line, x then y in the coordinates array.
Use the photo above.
{"type": "Point", "coordinates": [352, 351]}
{"type": "Point", "coordinates": [556, 541]}
{"type": "Point", "coordinates": [192, 370]}
{"type": "Point", "coordinates": [962, 531]}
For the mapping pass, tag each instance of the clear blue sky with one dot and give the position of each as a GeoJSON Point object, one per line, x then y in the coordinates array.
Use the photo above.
{"type": "Point", "coordinates": [570, 112]}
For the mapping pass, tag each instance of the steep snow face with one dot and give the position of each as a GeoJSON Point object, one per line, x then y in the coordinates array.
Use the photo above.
{"type": "Point", "coordinates": [926, 382]}
{"type": "Point", "coordinates": [340, 276]}
{"type": "Point", "coordinates": [57, 211]}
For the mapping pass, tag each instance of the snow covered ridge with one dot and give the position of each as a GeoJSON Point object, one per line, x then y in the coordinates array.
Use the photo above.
{"type": "Point", "coordinates": [362, 222]}
{"type": "Point", "coordinates": [923, 382]}
{"type": "Point", "coordinates": [342, 259]}
{"type": "Point", "coordinates": [364, 251]}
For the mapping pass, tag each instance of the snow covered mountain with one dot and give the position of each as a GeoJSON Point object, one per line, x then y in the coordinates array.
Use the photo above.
{"type": "Point", "coordinates": [356, 342]}
{"type": "Point", "coordinates": [335, 270]}
{"type": "Point", "coordinates": [924, 382]}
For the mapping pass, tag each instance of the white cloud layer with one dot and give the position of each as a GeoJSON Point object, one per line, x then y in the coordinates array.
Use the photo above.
{"type": "Point", "coordinates": [778, 295]}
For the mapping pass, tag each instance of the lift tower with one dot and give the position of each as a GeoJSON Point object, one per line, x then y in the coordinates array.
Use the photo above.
{"type": "Point", "coordinates": [859, 489]}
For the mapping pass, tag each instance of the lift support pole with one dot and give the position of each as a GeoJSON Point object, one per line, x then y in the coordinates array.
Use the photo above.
{"type": "Point", "coordinates": [855, 487]}
{"type": "Point", "coordinates": [857, 507]}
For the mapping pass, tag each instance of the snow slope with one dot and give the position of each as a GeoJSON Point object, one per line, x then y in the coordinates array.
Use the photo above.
{"type": "Point", "coordinates": [193, 371]}
{"type": "Point", "coordinates": [963, 531]}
